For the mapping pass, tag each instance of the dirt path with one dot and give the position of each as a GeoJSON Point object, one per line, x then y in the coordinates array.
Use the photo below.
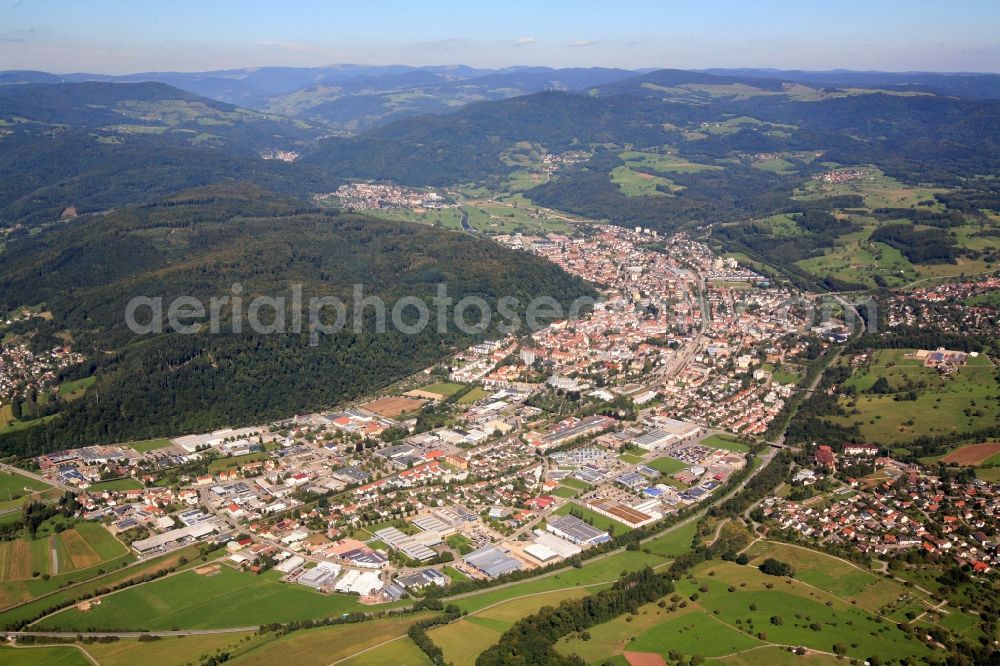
{"type": "Point", "coordinates": [54, 568]}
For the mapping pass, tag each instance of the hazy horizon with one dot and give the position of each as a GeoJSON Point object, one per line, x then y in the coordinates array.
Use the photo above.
{"type": "Point", "coordinates": [114, 38]}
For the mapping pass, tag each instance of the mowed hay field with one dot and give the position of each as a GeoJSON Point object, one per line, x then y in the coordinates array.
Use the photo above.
{"type": "Point", "coordinates": [325, 645]}
{"type": "Point", "coordinates": [961, 403]}
{"type": "Point", "coordinates": [400, 652]}
{"type": "Point", "coordinates": [842, 579]}
{"type": "Point", "coordinates": [15, 559]}
{"type": "Point", "coordinates": [164, 652]}
{"type": "Point", "coordinates": [974, 454]}
{"type": "Point", "coordinates": [464, 640]}
{"type": "Point", "coordinates": [48, 655]}
{"type": "Point", "coordinates": [724, 610]}
{"type": "Point", "coordinates": [80, 553]}
{"type": "Point", "coordinates": [776, 656]}
{"type": "Point", "coordinates": [188, 600]}
{"type": "Point", "coordinates": [83, 546]}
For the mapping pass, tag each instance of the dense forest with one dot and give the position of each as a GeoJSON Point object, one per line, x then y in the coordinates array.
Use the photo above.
{"type": "Point", "coordinates": [200, 245]}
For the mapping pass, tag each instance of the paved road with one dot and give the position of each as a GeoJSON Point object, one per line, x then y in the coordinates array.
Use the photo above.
{"type": "Point", "coordinates": [129, 634]}
{"type": "Point", "coordinates": [468, 228]}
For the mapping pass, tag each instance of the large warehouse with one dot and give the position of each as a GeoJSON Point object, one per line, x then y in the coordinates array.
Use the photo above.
{"type": "Point", "coordinates": [493, 561]}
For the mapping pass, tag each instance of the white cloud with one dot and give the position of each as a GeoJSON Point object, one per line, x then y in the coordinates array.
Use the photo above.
{"type": "Point", "coordinates": [581, 43]}
{"type": "Point", "coordinates": [525, 41]}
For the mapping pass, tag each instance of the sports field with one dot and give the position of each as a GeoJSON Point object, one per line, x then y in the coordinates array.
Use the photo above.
{"type": "Point", "coordinates": [667, 465]}
{"type": "Point", "coordinates": [393, 406]}
{"type": "Point", "coordinates": [443, 389]}
{"type": "Point", "coordinates": [149, 444]}
{"type": "Point", "coordinates": [597, 520]}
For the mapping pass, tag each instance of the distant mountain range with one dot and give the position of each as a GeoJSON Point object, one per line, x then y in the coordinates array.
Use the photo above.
{"type": "Point", "coordinates": [353, 98]}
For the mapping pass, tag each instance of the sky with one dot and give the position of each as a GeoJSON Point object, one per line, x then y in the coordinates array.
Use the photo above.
{"type": "Point", "coordinates": [108, 37]}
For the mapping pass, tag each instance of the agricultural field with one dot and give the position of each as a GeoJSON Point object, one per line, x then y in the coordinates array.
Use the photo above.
{"type": "Point", "coordinates": [226, 599]}
{"type": "Point", "coordinates": [42, 594]}
{"type": "Point", "coordinates": [594, 575]}
{"type": "Point", "coordinates": [75, 389]}
{"type": "Point", "coordinates": [230, 462]}
{"type": "Point", "coordinates": [974, 454]}
{"type": "Point", "coordinates": [665, 162]}
{"type": "Point", "coordinates": [856, 258]}
{"type": "Point", "coordinates": [639, 184]}
{"type": "Point", "coordinates": [166, 651]}
{"type": "Point", "coordinates": [49, 655]}
{"type": "Point", "coordinates": [960, 403]}
{"type": "Point", "coordinates": [841, 579]}
{"type": "Point", "coordinates": [675, 542]}
{"type": "Point", "coordinates": [325, 645]}
{"type": "Point", "coordinates": [735, 606]}
{"type": "Point", "coordinates": [83, 546]}
{"type": "Point", "coordinates": [464, 640]}
{"type": "Point", "coordinates": [16, 489]}
{"type": "Point", "coordinates": [400, 652]}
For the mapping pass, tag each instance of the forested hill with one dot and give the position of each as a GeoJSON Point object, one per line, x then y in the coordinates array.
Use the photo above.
{"type": "Point", "coordinates": [147, 108]}
{"type": "Point", "coordinates": [468, 145]}
{"type": "Point", "coordinates": [914, 135]}
{"type": "Point", "coordinates": [200, 244]}
{"type": "Point", "coordinates": [45, 174]}
{"type": "Point", "coordinates": [76, 148]}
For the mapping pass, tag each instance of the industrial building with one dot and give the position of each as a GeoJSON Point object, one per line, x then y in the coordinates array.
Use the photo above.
{"type": "Point", "coordinates": [411, 546]}
{"type": "Point", "coordinates": [573, 529]}
{"type": "Point", "coordinates": [493, 561]}
{"type": "Point", "coordinates": [178, 536]}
